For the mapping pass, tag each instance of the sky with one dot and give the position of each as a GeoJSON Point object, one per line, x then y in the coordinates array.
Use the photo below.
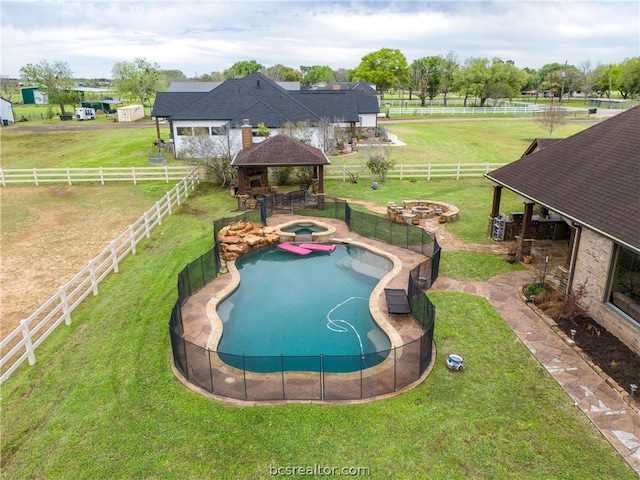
{"type": "Point", "coordinates": [199, 37]}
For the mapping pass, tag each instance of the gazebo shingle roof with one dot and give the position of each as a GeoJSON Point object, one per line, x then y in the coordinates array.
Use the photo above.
{"type": "Point", "coordinates": [280, 150]}
{"type": "Point", "coordinates": [592, 177]}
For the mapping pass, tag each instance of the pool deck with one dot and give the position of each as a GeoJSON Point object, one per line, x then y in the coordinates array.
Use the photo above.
{"type": "Point", "coordinates": [597, 396]}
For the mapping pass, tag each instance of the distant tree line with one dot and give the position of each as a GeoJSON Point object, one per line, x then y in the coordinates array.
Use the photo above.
{"type": "Point", "coordinates": [482, 79]}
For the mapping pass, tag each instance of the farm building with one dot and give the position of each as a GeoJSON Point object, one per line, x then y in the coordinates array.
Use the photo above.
{"type": "Point", "coordinates": [130, 113]}
{"type": "Point", "coordinates": [6, 112]}
{"type": "Point", "coordinates": [33, 96]}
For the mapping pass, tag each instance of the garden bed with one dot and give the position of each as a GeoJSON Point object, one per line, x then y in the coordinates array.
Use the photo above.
{"type": "Point", "coordinates": [604, 349]}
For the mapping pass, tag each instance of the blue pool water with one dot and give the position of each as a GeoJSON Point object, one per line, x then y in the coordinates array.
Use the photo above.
{"type": "Point", "coordinates": [289, 310]}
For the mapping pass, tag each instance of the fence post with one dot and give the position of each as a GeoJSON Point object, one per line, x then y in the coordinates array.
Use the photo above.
{"type": "Point", "coordinates": [132, 237]}
{"type": "Point", "coordinates": [35, 177]}
{"type": "Point", "coordinates": [321, 376]}
{"type": "Point", "coordinates": [69, 175]}
{"type": "Point", "coordinates": [4, 183]}
{"type": "Point", "coordinates": [65, 306]}
{"type": "Point", "coordinates": [146, 224]}
{"type": "Point", "coordinates": [178, 193]}
{"type": "Point", "coordinates": [458, 172]}
{"type": "Point", "coordinates": [428, 172]}
{"type": "Point", "coordinates": [284, 396]}
{"type": "Point", "coordinates": [159, 212]}
{"type": "Point", "coordinates": [401, 170]}
{"type": "Point", "coordinates": [114, 257]}
{"type": "Point", "coordinates": [168, 196]}
{"type": "Point", "coordinates": [166, 173]}
{"type": "Point", "coordinates": [28, 346]}
{"type": "Point", "coordinates": [92, 275]}
{"type": "Point", "coordinates": [133, 173]}
{"type": "Point", "coordinates": [101, 176]}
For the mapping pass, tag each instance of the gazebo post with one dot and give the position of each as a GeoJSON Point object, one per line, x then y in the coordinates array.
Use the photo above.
{"type": "Point", "coordinates": [321, 179]}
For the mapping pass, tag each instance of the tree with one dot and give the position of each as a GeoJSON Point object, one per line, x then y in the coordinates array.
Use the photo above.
{"type": "Point", "coordinates": [586, 78]}
{"type": "Point", "coordinates": [280, 73]}
{"type": "Point", "coordinates": [505, 80]}
{"type": "Point", "coordinates": [211, 77]}
{"type": "Point", "coordinates": [213, 151]}
{"type": "Point", "coordinates": [380, 162]}
{"type": "Point", "coordinates": [629, 79]}
{"type": "Point", "coordinates": [474, 78]}
{"type": "Point", "coordinates": [448, 66]}
{"type": "Point", "coordinates": [55, 78]}
{"type": "Point", "coordinates": [386, 68]}
{"type": "Point", "coordinates": [242, 69]}
{"type": "Point", "coordinates": [606, 79]}
{"type": "Point", "coordinates": [341, 75]}
{"type": "Point", "coordinates": [424, 77]}
{"type": "Point", "coordinates": [169, 76]}
{"type": "Point", "coordinates": [137, 79]}
{"type": "Point", "coordinates": [552, 117]}
{"type": "Point", "coordinates": [317, 73]}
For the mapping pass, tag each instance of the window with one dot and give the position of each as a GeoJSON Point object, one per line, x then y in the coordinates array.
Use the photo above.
{"type": "Point", "coordinates": [184, 131]}
{"type": "Point", "coordinates": [625, 282]}
{"type": "Point", "coordinates": [201, 130]}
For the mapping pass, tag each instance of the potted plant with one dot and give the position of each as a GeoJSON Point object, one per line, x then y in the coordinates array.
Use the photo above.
{"type": "Point", "coordinates": [510, 256]}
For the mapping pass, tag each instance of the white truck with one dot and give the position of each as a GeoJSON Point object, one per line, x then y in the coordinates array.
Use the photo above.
{"type": "Point", "coordinates": [85, 113]}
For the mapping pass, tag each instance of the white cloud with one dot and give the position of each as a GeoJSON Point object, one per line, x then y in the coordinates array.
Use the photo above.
{"type": "Point", "coordinates": [206, 36]}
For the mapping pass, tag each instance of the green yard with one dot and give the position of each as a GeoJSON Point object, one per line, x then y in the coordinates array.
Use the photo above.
{"type": "Point", "coordinates": [102, 401]}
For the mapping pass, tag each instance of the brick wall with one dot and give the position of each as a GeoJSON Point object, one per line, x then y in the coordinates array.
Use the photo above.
{"type": "Point", "coordinates": [592, 269]}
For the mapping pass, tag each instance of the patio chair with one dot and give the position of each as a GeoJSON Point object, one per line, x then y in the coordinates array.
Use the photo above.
{"type": "Point", "coordinates": [397, 300]}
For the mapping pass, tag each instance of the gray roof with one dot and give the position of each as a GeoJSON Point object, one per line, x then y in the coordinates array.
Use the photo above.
{"type": "Point", "coordinates": [592, 177]}
{"type": "Point", "coordinates": [259, 99]}
{"type": "Point", "coordinates": [192, 86]}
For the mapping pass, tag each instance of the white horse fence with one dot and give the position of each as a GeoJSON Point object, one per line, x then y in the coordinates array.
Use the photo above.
{"type": "Point", "coordinates": [20, 345]}
{"type": "Point", "coordinates": [425, 171]}
{"type": "Point", "coordinates": [102, 175]}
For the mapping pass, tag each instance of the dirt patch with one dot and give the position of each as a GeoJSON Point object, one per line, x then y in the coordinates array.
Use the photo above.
{"type": "Point", "coordinates": [603, 348]}
{"type": "Point", "coordinates": [48, 234]}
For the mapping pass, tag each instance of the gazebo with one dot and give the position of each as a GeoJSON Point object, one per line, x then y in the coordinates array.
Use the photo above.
{"type": "Point", "coordinates": [254, 160]}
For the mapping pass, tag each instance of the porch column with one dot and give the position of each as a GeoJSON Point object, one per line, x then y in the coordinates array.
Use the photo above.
{"type": "Point", "coordinates": [495, 207]}
{"type": "Point", "coordinates": [526, 220]}
{"type": "Point", "coordinates": [242, 188]}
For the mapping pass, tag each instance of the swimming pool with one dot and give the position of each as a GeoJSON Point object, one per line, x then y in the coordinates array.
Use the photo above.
{"type": "Point", "coordinates": [304, 313]}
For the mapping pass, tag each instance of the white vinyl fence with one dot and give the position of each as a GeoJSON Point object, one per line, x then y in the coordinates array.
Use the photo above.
{"type": "Point", "coordinates": [23, 341]}
{"type": "Point", "coordinates": [415, 111]}
{"type": "Point", "coordinates": [102, 175]}
{"type": "Point", "coordinates": [423, 171]}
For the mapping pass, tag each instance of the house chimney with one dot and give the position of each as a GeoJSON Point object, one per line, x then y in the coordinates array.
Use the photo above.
{"type": "Point", "coordinates": [247, 134]}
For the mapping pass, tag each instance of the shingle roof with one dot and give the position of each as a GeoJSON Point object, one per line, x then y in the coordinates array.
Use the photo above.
{"type": "Point", "coordinates": [260, 99]}
{"type": "Point", "coordinates": [592, 177]}
{"type": "Point", "coordinates": [280, 150]}
{"type": "Point", "coordinates": [166, 103]}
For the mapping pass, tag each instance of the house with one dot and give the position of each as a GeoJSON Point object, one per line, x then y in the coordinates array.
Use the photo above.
{"type": "Point", "coordinates": [6, 112]}
{"type": "Point", "coordinates": [221, 111]}
{"type": "Point", "coordinates": [587, 190]}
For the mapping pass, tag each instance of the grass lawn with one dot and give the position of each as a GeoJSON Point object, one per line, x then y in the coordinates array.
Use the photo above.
{"type": "Point", "coordinates": [467, 140]}
{"type": "Point", "coordinates": [102, 401]}
{"type": "Point", "coordinates": [478, 267]}
{"type": "Point", "coordinates": [473, 197]}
